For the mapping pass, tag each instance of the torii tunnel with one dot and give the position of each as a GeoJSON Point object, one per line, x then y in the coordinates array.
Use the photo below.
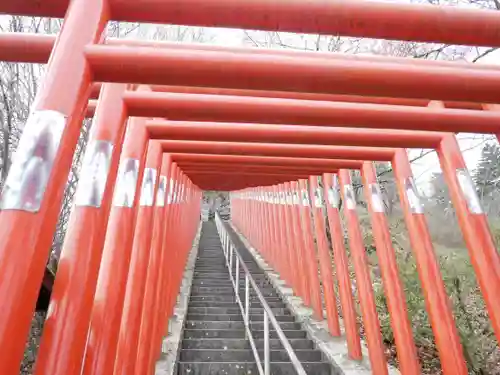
{"type": "Point", "coordinates": [280, 130]}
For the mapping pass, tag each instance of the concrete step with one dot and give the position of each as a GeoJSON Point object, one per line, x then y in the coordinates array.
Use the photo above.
{"type": "Point", "coordinates": [267, 291]}
{"type": "Point", "coordinates": [227, 298]}
{"type": "Point", "coordinates": [293, 334]}
{"type": "Point", "coordinates": [203, 324]}
{"type": "Point", "coordinates": [227, 282]}
{"type": "Point", "coordinates": [225, 285]}
{"type": "Point", "coordinates": [215, 341]}
{"type": "Point", "coordinates": [214, 334]}
{"type": "Point", "coordinates": [235, 317]}
{"type": "Point", "coordinates": [242, 344]}
{"type": "Point", "coordinates": [210, 275]}
{"type": "Point", "coordinates": [227, 295]}
{"type": "Point", "coordinates": [234, 310]}
{"type": "Point", "coordinates": [237, 334]}
{"type": "Point", "coordinates": [249, 368]}
{"type": "Point", "coordinates": [276, 304]}
{"type": "Point", "coordinates": [245, 355]}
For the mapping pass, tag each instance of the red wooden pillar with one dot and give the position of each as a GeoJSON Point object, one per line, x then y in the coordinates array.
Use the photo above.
{"type": "Point", "coordinates": [436, 298]}
{"type": "Point", "coordinates": [258, 220]}
{"type": "Point", "coordinates": [159, 231]}
{"type": "Point", "coordinates": [363, 279]}
{"type": "Point", "coordinates": [160, 324]}
{"type": "Point", "coordinates": [332, 196]}
{"type": "Point", "coordinates": [290, 248]}
{"type": "Point", "coordinates": [157, 316]}
{"type": "Point", "coordinates": [241, 201]}
{"type": "Point", "coordinates": [108, 300]}
{"type": "Point", "coordinates": [285, 240]}
{"type": "Point", "coordinates": [310, 252]}
{"type": "Point", "coordinates": [181, 219]}
{"type": "Point", "coordinates": [31, 198]}
{"type": "Point", "coordinates": [255, 222]}
{"type": "Point", "coordinates": [167, 246]}
{"type": "Point", "coordinates": [235, 208]}
{"type": "Point", "coordinates": [268, 241]}
{"type": "Point", "coordinates": [396, 300]}
{"type": "Point", "coordinates": [170, 242]}
{"type": "Point", "coordinates": [66, 325]}
{"type": "Point", "coordinates": [276, 234]}
{"type": "Point", "coordinates": [474, 225]}
{"type": "Point", "coordinates": [249, 223]}
{"type": "Point", "coordinates": [325, 261]}
{"type": "Point", "coordinates": [295, 238]}
{"type": "Point", "coordinates": [281, 266]}
{"type": "Point", "coordinates": [300, 244]}
{"type": "Point", "coordinates": [143, 244]}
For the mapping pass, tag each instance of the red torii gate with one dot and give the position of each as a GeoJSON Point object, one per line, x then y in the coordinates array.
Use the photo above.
{"type": "Point", "coordinates": [373, 20]}
{"type": "Point", "coordinates": [59, 108]}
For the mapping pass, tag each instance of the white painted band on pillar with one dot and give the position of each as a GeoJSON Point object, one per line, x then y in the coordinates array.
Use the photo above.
{"type": "Point", "coordinates": [469, 191]}
{"type": "Point", "coordinates": [318, 197]}
{"type": "Point", "coordinates": [126, 183]}
{"type": "Point", "coordinates": [376, 198]}
{"type": "Point", "coordinates": [94, 174]}
{"type": "Point", "coordinates": [33, 161]}
{"type": "Point", "coordinates": [413, 196]}
{"type": "Point", "coordinates": [170, 197]}
{"type": "Point", "coordinates": [161, 192]}
{"type": "Point", "coordinates": [350, 201]}
{"type": "Point", "coordinates": [305, 198]}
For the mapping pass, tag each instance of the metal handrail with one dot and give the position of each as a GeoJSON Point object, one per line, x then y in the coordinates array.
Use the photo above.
{"type": "Point", "coordinates": [230, 251]}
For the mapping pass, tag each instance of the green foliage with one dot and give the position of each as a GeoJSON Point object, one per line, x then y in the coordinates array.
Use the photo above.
{"type": "Point", "coordinates": [481, 350]}
{"type": "Point", "coordinates": [480, 347]}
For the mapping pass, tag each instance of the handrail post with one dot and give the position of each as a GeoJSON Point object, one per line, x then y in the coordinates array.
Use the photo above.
{"type": "Point", "coordinates": [246, 311]}
{"type": "Point", "coordinates": [237, 290]}
{"type": "Point", "coordinates": [231, 260]}
{"type": "Point", "coordinates": [266, 345]}
{"type": "Point", "coordinates": [224, 246]}
{"type": "Point", "coordinates": [247, 299]}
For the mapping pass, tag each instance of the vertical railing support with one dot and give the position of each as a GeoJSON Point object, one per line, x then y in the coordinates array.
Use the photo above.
{"type": "Point", "coordinates": [267, 352]}
{"type": "Point", "coordinates": [247, 300]}
{"type": "Point", "coordinates": [237, 278]}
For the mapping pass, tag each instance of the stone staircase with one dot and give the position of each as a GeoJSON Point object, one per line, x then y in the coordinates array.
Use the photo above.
{"type": "Point", "coordinates": [214, 339]}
